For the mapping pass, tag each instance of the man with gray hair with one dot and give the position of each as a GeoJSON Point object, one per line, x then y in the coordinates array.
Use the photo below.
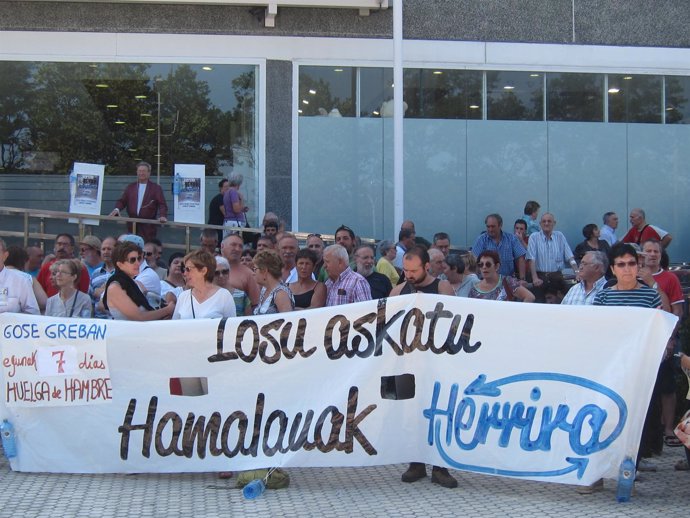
{"type": "Point", "coordinates": [143, 199]}
{"type": "Point", "coordinates": [608, 229]}
{"type": "Point", "coordinates": [343, 285]}
{"type": "Point", "coordinates": [379, 284]}
{"type": "Point", "coordinates": [592, 269]}
{"type": "Point", "coordinates": [641, 231]}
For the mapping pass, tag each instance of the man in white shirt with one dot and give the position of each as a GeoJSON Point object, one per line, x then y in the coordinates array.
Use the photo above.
{"type": "Point", "coordinates": [608, 230]}
{"type": "Point", "coordinates": [16, 292]}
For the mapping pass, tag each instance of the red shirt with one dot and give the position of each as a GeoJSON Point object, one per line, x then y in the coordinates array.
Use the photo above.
{"type": "Point", "coordinates": [44, 279]}
{"type": "Point", "coordinates": [635, 236]}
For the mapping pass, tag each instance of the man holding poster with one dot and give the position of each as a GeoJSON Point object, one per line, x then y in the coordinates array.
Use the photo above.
{"type": "Point", "coordinates": [143, 199]}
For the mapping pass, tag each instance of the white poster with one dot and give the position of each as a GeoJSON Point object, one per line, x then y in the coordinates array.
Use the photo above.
{"type": "Point", "coordinates": [540, 392]}
{"type": "Point", "coordinates": [86, 190]}
{"type": "Point", "coordinates": [189, 193]}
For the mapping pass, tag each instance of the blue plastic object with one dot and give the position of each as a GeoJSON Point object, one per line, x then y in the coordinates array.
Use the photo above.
{"type": "Point", "coordinates": [9, 444]}
{"type": "Point", "coordinates": [254, 489]}
{"type": "Point", "coordinates": [177, 184]}
{"type": "Point", "coordinates": [626, 479]}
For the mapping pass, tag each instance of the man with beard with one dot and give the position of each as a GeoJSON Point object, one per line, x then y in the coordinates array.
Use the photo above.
{"type": "Point", "coordinates": [415, 265]}
{"type": "Point", "coordinates": [380, 284]}
{"type": "Point", "coordinates": [241, 278]}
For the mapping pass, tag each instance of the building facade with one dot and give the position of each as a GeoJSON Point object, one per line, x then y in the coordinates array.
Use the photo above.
{"type": "Point", "coordinates": [581, 105]}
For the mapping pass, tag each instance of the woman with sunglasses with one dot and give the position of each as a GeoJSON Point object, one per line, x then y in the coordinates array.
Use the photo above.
{"type": "Point", "coordinates": [68, 301]}
{"type": "Point", "coordinates": [123, 296]}
{"type": "Point", "coordinates": [628, 290]}
{"type": "Point", "coordinates": [204, 299]}
{"type": "Point", "coordinates": [495, 286]}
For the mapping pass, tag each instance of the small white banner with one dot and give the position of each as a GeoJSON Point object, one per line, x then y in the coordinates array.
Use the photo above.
{"type": "Point", "coordinates": [189, 193]}
{"type": "Point", "coordinates": [86, 190]}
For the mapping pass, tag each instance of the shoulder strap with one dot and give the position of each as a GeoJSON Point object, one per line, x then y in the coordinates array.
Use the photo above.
{"type": "Point", "coordinates": [507, 287]}
{"type": "Point", "coordinates": [639, 236]}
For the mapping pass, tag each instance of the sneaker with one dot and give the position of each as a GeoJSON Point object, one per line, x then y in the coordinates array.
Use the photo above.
{"type": "Point", "coordinates": [646, 465]}
{"type": "Point", "coordinates": [441, 477]}
{"type": "Point", "coordinates": [416, 471]}
{"type": "Point", "coordinates": [592, 488]}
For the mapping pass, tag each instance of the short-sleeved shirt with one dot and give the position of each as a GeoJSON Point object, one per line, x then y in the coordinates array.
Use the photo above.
{"type": "Point", "coordinates": [231, 196]}
{"type": "Point", "coordinates": [642, 297]}
{"type": "Point", "coordinates": [348, 288]}
{"type": "Point", "coordinates": [218, 305]}
{"type": "Point", "coordinates": [648, 232]}
{"type": "Point", "coordinates": [548, 253]}
{"type": "Point", "coordinates": [78, 305]}
{"type": "Point", "coordinates": [498, 292]}
{"type": "Point", "coordinates": [509, 250]}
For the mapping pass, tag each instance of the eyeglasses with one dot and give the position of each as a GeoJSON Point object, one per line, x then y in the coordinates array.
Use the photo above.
{"type": "Point", "coordinates": [132, 260]}
{"type": "Point", "coordinates": [622, 264]}
{"type": "Point", "coordinates": [583, 264]}
{"type": "Point", "coordinates": [221, 272]}
{"type": "Point", "coordinates": [148, 254]}
{"type": "Point", "coordinates": [485, 265]}
{"type": "Point", "coordinates": [62, 272]}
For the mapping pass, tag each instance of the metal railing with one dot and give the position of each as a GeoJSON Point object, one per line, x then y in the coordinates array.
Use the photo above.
{"type": "Point", "coordinates": [30, 217]}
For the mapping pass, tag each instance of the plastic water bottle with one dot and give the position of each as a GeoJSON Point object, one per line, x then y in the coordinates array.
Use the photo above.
{"type": "Point", "coordinates": [177, 184]}
{"type": "Point", "coordinates": [72, 185]}
{"type": "Point", "coordinates": [254, 489]}
{"type": "Point", "coordinates": [626, 478]}
{"type": "Point", "coordinates": [8, 439]}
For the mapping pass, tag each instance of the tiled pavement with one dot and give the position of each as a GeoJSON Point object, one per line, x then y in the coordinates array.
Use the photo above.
{"type": "Point", "coordinates": [374, 491]}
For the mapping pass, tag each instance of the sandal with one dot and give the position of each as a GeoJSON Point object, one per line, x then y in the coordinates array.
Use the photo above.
{"type": "Point", "coordinates": [681, 465]}
{"type": "Point", "coordinates": [672, 441]}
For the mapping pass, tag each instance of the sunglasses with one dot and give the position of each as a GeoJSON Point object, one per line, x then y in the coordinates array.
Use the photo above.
{"type": "Point", "coordinates": [221, 272]}
{"type": "Point", "coordinates": [148, 254]}
{"type": "Point", "coordinates": [623, 264]}
{"type": "Point", "coordinates": [314, 235]}
{"type": "Point", "coordinates": [485, 265]}
{"type": "Point", "coordinates": [132, 260]}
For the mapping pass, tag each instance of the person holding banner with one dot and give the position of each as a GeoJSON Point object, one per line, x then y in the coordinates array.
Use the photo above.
{"type": "Point", "coordinates": [68, 301]}
{"type": "Point", "coordinates": [275, 296]}
{"type": "Point", "coordinates": [123, 296]}
{"type": "Point", "coordinates": [204, 299]}
{"type": "Point", "coordinates": [16, 293]}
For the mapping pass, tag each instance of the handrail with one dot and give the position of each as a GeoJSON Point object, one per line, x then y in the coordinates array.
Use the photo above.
{"type": "Point", "coordinates": [81, 221]}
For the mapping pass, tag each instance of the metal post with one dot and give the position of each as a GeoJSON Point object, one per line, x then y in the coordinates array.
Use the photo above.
{"type": "Point", "coordinates": [398, 179]}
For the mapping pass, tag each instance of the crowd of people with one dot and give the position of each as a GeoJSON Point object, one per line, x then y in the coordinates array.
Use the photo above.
{"type": "Point", "coordinates": [232, 273]}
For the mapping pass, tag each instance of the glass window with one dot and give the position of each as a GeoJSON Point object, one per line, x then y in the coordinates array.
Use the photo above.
{"type": "Point", "coordinates": [119, 113]}
{"type": "Point", "coordinates": [677, 96]}
{"type": "Point", "coordinates": [575, 97]}
{"type": "Point", "coordinates": [634, 98]}
{"type": "Point", "coordinates": [375, 91]}
{"type": "Point", "coordinates": [443, 94]}
{"type": "Point", "coordinates": [327, 91]}
{"type": "Point", "coordinates": [515, 96]}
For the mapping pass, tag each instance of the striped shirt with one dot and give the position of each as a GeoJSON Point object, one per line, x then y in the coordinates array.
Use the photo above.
{"type": "Point", "coordinates": [549, 253]}
{"type": "Point", "coordinates": [577, 296]}
{"type": "Point", "coordinates": [642, 297]}
{"type": "Point", "coordinates": [509, 250]}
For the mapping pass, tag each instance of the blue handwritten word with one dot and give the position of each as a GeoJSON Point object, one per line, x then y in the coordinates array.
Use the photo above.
{"type": "Point", "coordinates": [468, 424]}
{"type": "Point", "coordinates": [73, 331]}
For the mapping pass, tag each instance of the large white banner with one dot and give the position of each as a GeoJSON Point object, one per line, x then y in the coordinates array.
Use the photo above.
{"type": "Point", "coordinates": [86, 190]}
{"type": "Point", "coordinates": [533, 391]}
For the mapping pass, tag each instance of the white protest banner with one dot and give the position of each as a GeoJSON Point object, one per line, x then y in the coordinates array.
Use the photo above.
{"type": "Point", "coordinates": [63, 364]}
{"type": "Point", "coordinates": [189, 193]}
{"type": "Point", "coordinates": [540, 392]}
{"type": "Point", "coordinates": [86, 190]}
